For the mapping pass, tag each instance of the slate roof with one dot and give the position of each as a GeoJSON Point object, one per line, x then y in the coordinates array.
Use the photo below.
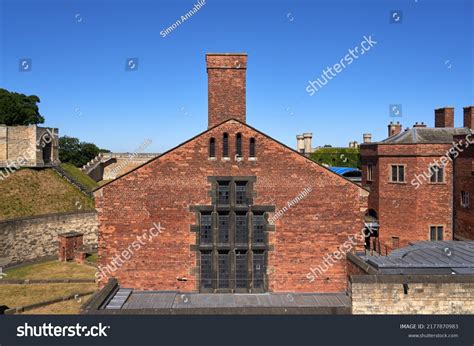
{"type": "Point", "coordinates": [427, 257]}
{"type": "Point", "coordinates": [426, 135]}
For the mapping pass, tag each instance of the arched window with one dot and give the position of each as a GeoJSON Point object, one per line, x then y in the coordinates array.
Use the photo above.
{"type": "Point", "coordinates": [225, 145]}
{"type": "Point", "coordinates": [238, 145]}
{"type": "Point", "coordinates": [252, 147]}
{"type": "Point", "coordinates": [212, 147]}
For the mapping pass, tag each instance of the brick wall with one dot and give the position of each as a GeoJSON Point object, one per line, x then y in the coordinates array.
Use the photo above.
{"type": "Point", "coordinates": [28, 239]}
{"type": "Point", "coordinates": [403, 210]}
{"type": "Point", "coordinates": [464, 181]}
{"type": "Point", "coordinates": [163, 190]}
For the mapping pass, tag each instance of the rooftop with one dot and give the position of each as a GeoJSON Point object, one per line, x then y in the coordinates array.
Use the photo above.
{"type": "Point", "coordinates": [426, 135]}
{"type": "Point", "coordinates": [426, 257]}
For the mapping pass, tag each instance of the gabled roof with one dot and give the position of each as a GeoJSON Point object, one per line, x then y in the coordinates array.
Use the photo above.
{"type": "Point", "coordinates": [426, 135]}
{"type": "Point", "coordinates": [244, 124]}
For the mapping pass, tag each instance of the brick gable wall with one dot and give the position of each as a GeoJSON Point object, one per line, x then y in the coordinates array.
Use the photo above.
{"type": "Point", "coordinates": [162, 191]}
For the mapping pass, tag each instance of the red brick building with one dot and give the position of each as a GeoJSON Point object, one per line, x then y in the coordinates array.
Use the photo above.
{"type": "Point", "coordinates": [410, 177]}
{"type": "Point", "coordinates": [464, 182]}
{"type": "Point", "coordinates": [230, 210]}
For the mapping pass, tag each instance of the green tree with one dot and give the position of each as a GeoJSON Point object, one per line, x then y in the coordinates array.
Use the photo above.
{"type": "Point", "coordinates": [76, 152]}
{"type": "Point", "coordinates": [19, 109]}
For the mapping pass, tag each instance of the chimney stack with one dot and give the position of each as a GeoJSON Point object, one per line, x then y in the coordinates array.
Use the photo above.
{"type": "Point", "coordinates": [226, 87]}
{"type": "Point", "coordinates": [469, 117]}
{"type": "Point", "coordinates": [367, 137]}
{"type": "Point", "coordinates": [394, 129]}
{"type": "Point", "coordinates": [300, 143]}
{"type": "Point", "coordinates": [308, 145]}
{"type": "Point", "coordinates": [444, 117]}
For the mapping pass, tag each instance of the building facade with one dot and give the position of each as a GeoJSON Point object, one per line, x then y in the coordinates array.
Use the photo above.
{"type": "Point", "coordinates": [28, 146]}
{"type": "Point", "coordinates": [410, 177]}
{"type": "Point", "coordinates": [230, 210]}
{"type": "Point", "coordinates": [464, 182]}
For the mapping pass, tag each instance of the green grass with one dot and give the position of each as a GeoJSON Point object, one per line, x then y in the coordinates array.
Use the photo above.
{"type": "Point", "coordinates": [51, 270]}
{"type": "Point", "coordinates": [20, 295]}
{"type": "Point", "coordinates": [29, 192]}
{"type": "Point", "coordinates": [80, 176]}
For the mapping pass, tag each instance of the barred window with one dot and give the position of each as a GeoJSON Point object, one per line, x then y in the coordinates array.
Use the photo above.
{"type": "Point", "coordinates": [258, 228]}
{"type": "Point", "coordinates": [206, 269]}
{"type": "Point", "coordinates": [206, 229]}
{"type": "Point", "coordinates": [241, 229]}
{"type": "Point", "coordinates": [241, 192]}
{"type": "Point", "coordinates": [223, 271]}
{"type": "Point", "coordinates": [223, 190]}
{"type": "Point", "coordinates": [223, 228]}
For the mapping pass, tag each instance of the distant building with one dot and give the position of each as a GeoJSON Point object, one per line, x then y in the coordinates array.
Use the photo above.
{"type": "Point", "coordinates": [410, 177]}
{"type": "Point", "coordinates": [28, 146]}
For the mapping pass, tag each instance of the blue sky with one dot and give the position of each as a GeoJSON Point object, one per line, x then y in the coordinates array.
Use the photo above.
{"type": "Point", "coordinates": [78, 51]}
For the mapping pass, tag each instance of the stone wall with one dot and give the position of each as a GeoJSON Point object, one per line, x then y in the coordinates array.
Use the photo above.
{"type": "Point", "coordinates": [414, 294]}
{"type": "Point", "coordinates": [31, 238]}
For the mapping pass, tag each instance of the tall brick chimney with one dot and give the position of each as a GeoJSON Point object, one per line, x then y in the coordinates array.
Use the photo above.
{"type": "Point", "coordinates": [469, 117]}
{"type": "Point", "coordinates": [226, 86]}
{"type": "Point", "coordinates": [444, 117]}
{"type": "Point", "coordinates": [394, 129]}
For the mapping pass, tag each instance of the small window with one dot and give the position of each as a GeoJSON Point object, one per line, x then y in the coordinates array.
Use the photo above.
{"type": "Point", "coordinates": [223, 191]}
{"type": "Point", "coordinates": [225, 145]}
{"type": "Point", "coordinates": [241, 192]}
{"type": "Point", "coordinates": [223, 228]}
{"type": "Point", "coordinates": [212, 147]}
{"type": "Point", "coordinates": [436, 233]}
{"type": "Point", "coordinates": [397, 174]}
{"type": "Point", "coordinates": [252, 147]}
{"type": "Point", "coordinates": [370, 173]}
{"type": "Point", "coordinates": [205, 231]}
{"type": "Point", "coordinates": [238, 145]}
{"type": "Point", "coordinates": [464, 199]}
{"type": "Point", "coordinates": [258, 228]}
{"type": "Point", "coordinates": [436, 174]}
